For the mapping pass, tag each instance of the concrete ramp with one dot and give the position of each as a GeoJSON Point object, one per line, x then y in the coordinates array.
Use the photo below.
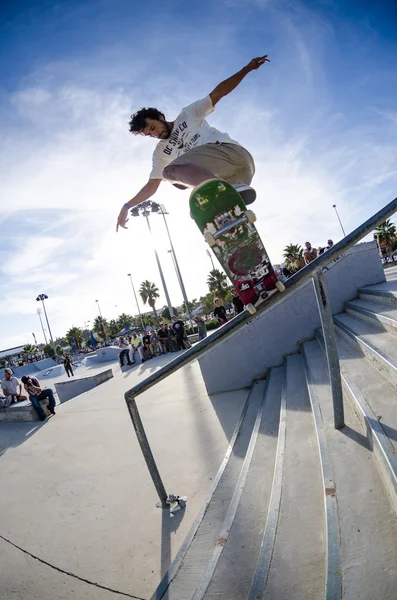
{"type": "Point", "coordinates": [31, 368]}
{"type": "Point", "coordinates": [104, 354]}
{"type": "Point", "coordinates": [73, 387]}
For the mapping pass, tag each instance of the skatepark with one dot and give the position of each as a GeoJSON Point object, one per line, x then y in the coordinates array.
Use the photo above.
{"type": "Point", "coordinates": [282, 502]}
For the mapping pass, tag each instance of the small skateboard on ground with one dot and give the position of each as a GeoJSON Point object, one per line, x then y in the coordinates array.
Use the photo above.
{"type": "Point", "coordinates": [228, 228]}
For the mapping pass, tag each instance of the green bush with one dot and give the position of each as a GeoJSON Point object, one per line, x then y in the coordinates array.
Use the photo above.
{"type": "Point", "coordinates": [212, 324]}
{"type": "Point", "coordinates": [191, 330]}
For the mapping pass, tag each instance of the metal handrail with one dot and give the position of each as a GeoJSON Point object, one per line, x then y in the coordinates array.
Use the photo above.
{"type": "Point", "coordinates": [233, 326]}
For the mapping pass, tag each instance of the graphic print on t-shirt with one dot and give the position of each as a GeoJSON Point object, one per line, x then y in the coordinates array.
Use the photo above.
{"type": "Point", "coordinates": [189, 131]}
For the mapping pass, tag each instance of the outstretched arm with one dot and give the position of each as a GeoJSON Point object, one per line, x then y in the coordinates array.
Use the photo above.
{"type": "Point", "coordinates": [230, 84]}
{"type": "Point", "coordinates": [148, 190]}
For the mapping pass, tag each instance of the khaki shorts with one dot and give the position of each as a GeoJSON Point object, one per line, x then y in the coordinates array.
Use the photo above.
{"type": "Point", "coordinates": [227, 161]}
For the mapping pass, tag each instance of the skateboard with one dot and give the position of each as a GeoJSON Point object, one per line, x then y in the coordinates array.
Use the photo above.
{"type": "Point", "coordinates": [228, 228]}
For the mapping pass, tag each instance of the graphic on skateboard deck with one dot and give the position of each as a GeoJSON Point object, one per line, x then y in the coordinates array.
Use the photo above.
{"type": "Point", "coordinates": [228, 227]}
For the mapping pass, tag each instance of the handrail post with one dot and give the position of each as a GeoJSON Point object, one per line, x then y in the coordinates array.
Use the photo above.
{"type": "Point", "coordinates": [146, 450]}
{"type": "Point", "coordinates": [331, 349]}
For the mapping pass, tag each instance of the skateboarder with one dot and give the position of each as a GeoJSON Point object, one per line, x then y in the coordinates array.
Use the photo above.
{"type": "Point", "coordinates": [190, 151]}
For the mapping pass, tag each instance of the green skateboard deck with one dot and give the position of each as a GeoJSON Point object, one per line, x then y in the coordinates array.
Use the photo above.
{"type": "Point", "coordinates": [228, 227]}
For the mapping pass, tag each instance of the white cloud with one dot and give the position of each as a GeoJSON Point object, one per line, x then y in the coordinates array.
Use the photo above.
{"type": "Point", "coordinates": [68, 163]}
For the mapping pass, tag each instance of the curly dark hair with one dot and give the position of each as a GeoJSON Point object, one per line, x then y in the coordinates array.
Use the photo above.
{"type": "Point", "coordinates": [138, 120]}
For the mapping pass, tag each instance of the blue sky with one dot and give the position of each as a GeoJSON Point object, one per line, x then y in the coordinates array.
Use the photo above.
{"type": "Point", "coordinates": [320, 120]}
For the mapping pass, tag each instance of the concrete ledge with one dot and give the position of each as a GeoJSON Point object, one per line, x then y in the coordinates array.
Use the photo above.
{"type": "Point", "coordinates": [23, 411]}
{"type": "Point", "coordinates": [263, 342]}
{"type": "Point", "coordinates": [74, 387]}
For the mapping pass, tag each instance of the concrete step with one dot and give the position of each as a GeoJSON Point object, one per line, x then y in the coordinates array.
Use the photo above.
{"type": "Point", "coordinates": [204, 544]}
{"type": "Point", "coordinates": [375, 404]}
{"type": "Point", "coordinates": [234, 573]}
{"type": "Point", "coordinates": [385, 293]}
{"type": "Point", "coordinates": [292, 557]}
{"type": "Point", "coordinates": [367, 523]}
{"type": "Point", "coordinates": [379, 346]}
{"type": "Point", "coordinates": [375, 313]}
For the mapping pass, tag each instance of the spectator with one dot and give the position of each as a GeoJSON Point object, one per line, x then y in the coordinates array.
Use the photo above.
{"type": "Point", "coordinates": [36, 393]}
{"type": "Point", "coordinates": [67, 363]}
{"type": "Point", "coordinates": [155, 345]}
{"type": "Point", "coordinates": [201, 327]}
{"type": "Point", "coordinates": [163, 338]}
{"type": "Point", "coordinates": [171, 338]}
{"type": "Point", "coordinates": [147, 350]}
{"type": "Point", "coordinates": [220, 312]}
{"type": "Point", "coordinates": [136, 346]}
{"type": "Point", "coordinates": [5, 401]}
{"type": "Point", "coordinates": [179, 330]}
{"type": "Point", "coordinates": [330, 244]}
{"type": "Point", "coordinates": [290, 267]}
{"type": "Point", "coordinates": [238, 304]}
{"type": "Point", "coordinates": [125, 351]}
{"type": "Point", "coordinates": [12, 387]}
{"type": "Point", "coordinates": [309, 254]}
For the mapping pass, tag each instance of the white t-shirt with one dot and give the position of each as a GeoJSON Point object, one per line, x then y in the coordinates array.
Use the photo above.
{"type": "Point", "coordinates": [11, 386]}
{"type": "Point", "coordinates": [189, 131]}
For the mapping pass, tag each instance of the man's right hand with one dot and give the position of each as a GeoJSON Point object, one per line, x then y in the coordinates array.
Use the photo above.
{"type": "Point", "coordinates": [122, 218]}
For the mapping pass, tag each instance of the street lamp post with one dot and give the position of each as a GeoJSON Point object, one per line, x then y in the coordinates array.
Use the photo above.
{"type": "Point", "coordinates": [210, 257]}
{"type": "Point", "coordinates": [42, 326]}
{"type": "Point", "coordinates": [42, 297]}
{"type": "Point", "coordinates": [143, 210]}
{"type": "Point", "coordinates": [164, 212]}
{"type": "Point", "coordinates": [180, 281]}
{"type": "Point", "coordinates": [136, 301]}
{"type": "Point", "coordinates": [103, 325]}
{"type": "Point", "coordinates": [340, 222]}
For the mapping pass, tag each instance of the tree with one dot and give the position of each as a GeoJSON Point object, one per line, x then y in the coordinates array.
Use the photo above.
{"type": "Point", "coordinates": [149, 294]}
{"type": "Point", "coordinates": [386, 233]}
{"type": "Point", "coordinates": [207, 302]}
{"type": "Point", "coordinates": [29, 349]}
{"type": "Point", "coordinates": [297, 252]}
{"type": "Point", "coordinates": [228, 299]}
{"type": "Point", "coordinates": [217, 283]}
{"type": "Point", "coordinates": [166, 313]}
{"type": "Point", "coordinates": [76, 334]}
{"type": "Point", "coordinates": [125, 320]}
{"type": "Point", "coordinates": [113, 327]}
{"type": "Point", "coordinates": [48, 349]}
{"type": "Point", "coordinates": [100, 327]}
{"type": "Point", "coordinates": [58, 350]}
{"type": "Point", "coordinates": [295, 249]}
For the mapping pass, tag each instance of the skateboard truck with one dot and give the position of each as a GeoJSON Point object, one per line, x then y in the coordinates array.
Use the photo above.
{"type": "Point", "coordinates": [248, 217]}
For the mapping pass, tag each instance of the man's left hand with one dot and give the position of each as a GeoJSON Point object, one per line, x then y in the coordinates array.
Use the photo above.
{"type": "Point", "coordinates": [255, 63]}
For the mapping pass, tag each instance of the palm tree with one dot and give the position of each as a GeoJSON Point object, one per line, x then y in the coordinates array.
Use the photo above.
{"type": "Point", "coordinates": [297, 252]}
{"type": "Point", "coordinates": [386, 233]}
{"type": "Point", "coordinates": [76, 334]}
{"type": "Point", "coordinates": [125, 320]}
{"type": "Point", "coordinates": [295, 249]}
{"type": "Point", "coordinates": [29, 349]}
{"type": "Point", "coordinates": [100, 327]}
{"type": "Point", "coordinates": [149, 294]}
{"type": "Point", "coordinates": [217, 283]}
{"type": "Point", "coordinates": [113, 327]}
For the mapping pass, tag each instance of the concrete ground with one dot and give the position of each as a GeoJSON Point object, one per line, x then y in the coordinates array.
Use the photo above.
{"type": "Point", "coordinates": [77, 509]}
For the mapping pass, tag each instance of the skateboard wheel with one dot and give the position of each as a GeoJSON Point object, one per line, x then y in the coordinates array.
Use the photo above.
{"type": "Point", "coordinates": [250, 216]}
{"type": "Point", "coordinates": [251, 309]}
{"type": "Point", "coordinates": [209, 238]}
{"type": "Point", "coordinates": [280, 286]}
